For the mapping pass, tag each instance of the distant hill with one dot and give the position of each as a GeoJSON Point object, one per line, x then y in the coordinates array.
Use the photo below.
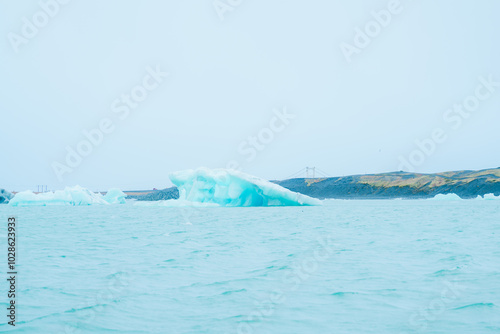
{"type": "Point", "coordinates": [466, 184]}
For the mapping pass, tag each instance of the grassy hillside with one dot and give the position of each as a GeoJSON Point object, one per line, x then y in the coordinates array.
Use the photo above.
{"type": "Point", "coordinates": [466, 184]}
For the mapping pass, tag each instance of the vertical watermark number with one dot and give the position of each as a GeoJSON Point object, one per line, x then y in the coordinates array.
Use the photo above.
{"type": "Point", "coordinates": [11, 272]}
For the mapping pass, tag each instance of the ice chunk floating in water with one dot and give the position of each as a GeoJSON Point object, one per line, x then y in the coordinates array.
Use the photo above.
{"type": "Point", "coordinates": [5, 196]}
{"type": "Point", "coordinates": [226, 187]}
{"type": "Point", "coordinates": [489, 197]}
{"type": "Point", "coordinates": [446, 197]}
{"type": "Point", "coordinates": [115, 196]}
{"type": "Point", "coordinates": [69, 196]}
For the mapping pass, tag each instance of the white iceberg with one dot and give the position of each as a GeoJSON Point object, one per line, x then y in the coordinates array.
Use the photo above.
{"type": "Point", "coordinates": [69, 196]}
{"type": "Point", "coordinates": [489, 197]}
{"type": "Point", "coordinates": [446, 197]}
{"type": "Point", "coordinates": [115, 196]}
{"type": "Point", "coordinates": [225, 187]}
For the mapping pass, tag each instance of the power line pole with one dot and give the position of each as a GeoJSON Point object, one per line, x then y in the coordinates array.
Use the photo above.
{"type": "Point", "coordinates": [313, 170]}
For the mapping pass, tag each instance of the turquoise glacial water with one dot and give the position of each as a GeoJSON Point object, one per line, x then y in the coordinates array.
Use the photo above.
{"type": "Point", "coordinates": [345, 267]}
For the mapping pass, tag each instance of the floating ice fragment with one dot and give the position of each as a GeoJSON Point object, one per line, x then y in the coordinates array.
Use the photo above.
{"type": "Point", "coordinates": [69, 196]}
{"type": "Point", "coordinates": [446, 197]}
{"type": "Point", "coordinates": [115, 196]}
{"type": "Point", "coordinates": [5, 196]}
{"type": "Point", "coordinates": [489, 197]}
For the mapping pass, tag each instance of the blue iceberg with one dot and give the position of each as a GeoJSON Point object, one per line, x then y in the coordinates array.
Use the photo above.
{"type": "Point", "coordinates": [69, 196]}
{"type": "Point", "coordinates": [5, 196]}
{"type": "Point", "coordinates": [225, 187]}
{"type": "Point", "coordinates": [115, 196]}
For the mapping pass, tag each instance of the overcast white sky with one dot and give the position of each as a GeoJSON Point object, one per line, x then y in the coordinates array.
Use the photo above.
{"type": "Point", "coordinates": [227, 76]}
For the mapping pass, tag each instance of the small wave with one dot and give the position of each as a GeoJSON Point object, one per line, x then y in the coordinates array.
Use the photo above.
{"type": "Point", "coordinates": [344, 293]}
{"type": "Point", "coordinates": [444, 272]}
{"type": "Point", "coordinates": [457, 258]}
{"type": "Point", "coordinates": [476, 305]}
{"type": "Point", "coordinates": [69, 311]}
{"type": "Point", "coordinates": [117, 274]}
{"type": "Point", "coordinates": [230, 292]}
{"type": "Point", "coordinates": [267, 270]}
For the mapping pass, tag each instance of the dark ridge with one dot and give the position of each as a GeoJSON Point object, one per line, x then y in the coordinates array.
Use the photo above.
{"type": "Point", "coordinates": [466, 184]}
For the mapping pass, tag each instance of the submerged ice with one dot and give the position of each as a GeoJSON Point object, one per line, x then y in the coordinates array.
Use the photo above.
{"type": "Point", "coordinates": [69, 196]}
{"type": "Point", "coordinates": [224, 187]}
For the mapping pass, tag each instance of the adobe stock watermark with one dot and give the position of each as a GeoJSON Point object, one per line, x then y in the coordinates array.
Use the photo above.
{"type": "Point", "coordinates": [87, 312]}
{"type": "Point", "coordinates": [291, 281]}
{"type": "Point", "coordinates": [363, 37]}
{"type": "Point", "coordinates": [455, 118]}
{"type": "Point", "coordinates": [251, 147]}
{"type": "Point", "coordinates": [222, 7]}
{"type": "Point", "coordinates": [420, 319]}
{"type": "Point", "coordinates": [31, 27]}
{"type": "Point", "coordinates": [121, 108]}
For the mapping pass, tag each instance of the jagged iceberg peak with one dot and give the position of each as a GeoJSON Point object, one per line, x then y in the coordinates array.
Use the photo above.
{"type": "Point", "coordinates": [5, 196]}
{"type": "Point", "coordinates": [75, 196]}
{"type": "Point", "coordinates": [227, 187]}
